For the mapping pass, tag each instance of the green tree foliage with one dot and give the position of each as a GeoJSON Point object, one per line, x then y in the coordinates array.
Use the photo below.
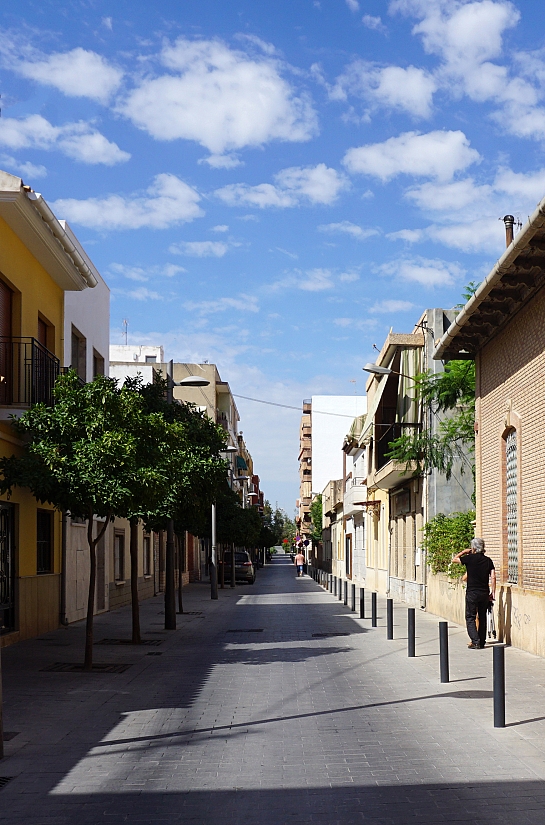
{"type": "Point", "coordinates": [451, 396]}
{"type": "Point", "coordinates": [316, 510]}
{"type": "Point", "coordinates": [444, 537]}
{"type": "Point", "coordinates": [236, 525]}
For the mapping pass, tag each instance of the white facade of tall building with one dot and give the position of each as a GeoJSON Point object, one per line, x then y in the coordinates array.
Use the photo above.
{"type": "Point", "coordinates": [332, 416]}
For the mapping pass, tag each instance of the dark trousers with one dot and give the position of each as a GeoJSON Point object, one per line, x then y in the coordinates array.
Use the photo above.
{"type": "Point", "coordinates": [476, 605]}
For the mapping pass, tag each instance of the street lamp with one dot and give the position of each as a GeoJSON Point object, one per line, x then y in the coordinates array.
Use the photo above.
{"type": "Point", "coordinates": [170, 583]}
{"type": "Point", "coordinates": [213, 550]}
{"type": "Point", "coordinates": [374, 369]}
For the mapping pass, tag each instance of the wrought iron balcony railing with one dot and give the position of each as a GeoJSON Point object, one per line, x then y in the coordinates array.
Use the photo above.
{"type": "Point", "coordinates": [28, 372]}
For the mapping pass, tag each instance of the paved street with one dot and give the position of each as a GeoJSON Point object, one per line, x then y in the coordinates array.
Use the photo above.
{"type": "Point", "coordinates": [247, 716]}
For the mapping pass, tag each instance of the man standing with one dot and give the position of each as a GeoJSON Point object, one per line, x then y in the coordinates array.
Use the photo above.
{"type": "Point", "coordinates": [481, 589]}
{"type": "Point", "coordinates": [299, 562]}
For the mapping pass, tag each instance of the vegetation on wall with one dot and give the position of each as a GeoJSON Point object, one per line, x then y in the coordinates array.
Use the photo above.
{"type": "Point", "coordinates": [316, 510]}
{"type": "Point", "coordinates": [444, 537]}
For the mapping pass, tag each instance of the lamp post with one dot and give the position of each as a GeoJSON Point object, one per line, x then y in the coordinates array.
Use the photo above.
{"type": "Point", "coordinates": [242, 479]}
{"type": "Point", "coordinates": [374, 369]}
{"type": "Point", "coordinates": [170, 583]}
{"type": "Point", "coordinates": [213, 549]}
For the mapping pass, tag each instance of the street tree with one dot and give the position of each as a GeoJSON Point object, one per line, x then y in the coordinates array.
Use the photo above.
{"type": "Point", "coordinates": [83, 455]}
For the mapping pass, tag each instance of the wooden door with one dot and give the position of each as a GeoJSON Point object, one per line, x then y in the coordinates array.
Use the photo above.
{"type": "Point", "coordinates": [6, 355]}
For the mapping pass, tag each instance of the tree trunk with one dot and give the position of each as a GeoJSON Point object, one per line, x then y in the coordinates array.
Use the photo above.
{"type": "Point", "coordinates": [88, 662]}
{"type": "Point", "coordinates": [181, 552]}
{"type": "Point", "coordinates": [222, 569]}
{"type": "Point", "coordinates": [136, 638]}
{"type": "Point", "coordinates": [233, 574]}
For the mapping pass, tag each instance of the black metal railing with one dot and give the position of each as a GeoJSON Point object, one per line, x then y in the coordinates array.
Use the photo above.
{"type": "Point", "coordinates": [28, 372]}
{"type": "Point", "coordinates": [385, 434]}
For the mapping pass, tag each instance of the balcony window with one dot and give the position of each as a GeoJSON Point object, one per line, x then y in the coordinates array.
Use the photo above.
{"type": "Point", "coordinates": [44, 541]}
{"type": "Point", "coordinates": [79, 354]}
{"type": "Point", "coordinates": [28, 372]}
{"type": "Point", "coordinates": [98, 364]}
{"type": "Point", "coordinates": [119, 557]}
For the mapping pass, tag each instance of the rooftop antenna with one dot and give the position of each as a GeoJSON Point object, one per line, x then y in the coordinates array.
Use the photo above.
{"type": "Point", "coordinates": [125, 330]}
{"type": "Point", "coordinates": [353, 381]}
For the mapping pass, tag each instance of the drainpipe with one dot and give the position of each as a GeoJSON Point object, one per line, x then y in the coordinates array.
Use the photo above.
{"type": "Point", "coordinates": [509, 222]}
{"type": "Point", "coordinates": [63, 619]}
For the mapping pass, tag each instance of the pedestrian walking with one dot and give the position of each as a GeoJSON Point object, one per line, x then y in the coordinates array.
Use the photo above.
{"type": "Point", "coordinates": [299, 563]}
{"type": "Point", "coordinates": [481, 590]}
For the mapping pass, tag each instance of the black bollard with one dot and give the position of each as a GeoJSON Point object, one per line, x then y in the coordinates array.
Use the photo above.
{"type": "Point", "coordinates": [353, 599]}
{"type": "Point", "coordinates": [389, 618]}
{"type": "Point", "coordinates": [411, 632]}
{"type": "Point", "coordinates": [373, 610]}
{"type": "Point", "coordinates": [340, 589]}
{"type": "Point", "coordinates": [330, 582]}
{"type": "Point", "coordinates": [498, 663]}
{"type": "Point", "coordinates": [362, 603]}
{"type": "Point", "coordinates": [345, 596]}
{"type": "Point", "coordinates": [334, 585]}
{"type": "Point", "coordinates": [443, 651]}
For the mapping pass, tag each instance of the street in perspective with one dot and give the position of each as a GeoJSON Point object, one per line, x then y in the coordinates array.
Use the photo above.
{"type": "Point", "coordinates": [272, 442]}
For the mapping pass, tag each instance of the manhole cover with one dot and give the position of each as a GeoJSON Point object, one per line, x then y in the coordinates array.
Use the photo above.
{"type": "Point", "coordinates": [328, 635]}
{"type": "Point", "coordinates": [10, 734]}
{"type": "Point", "coordinates": [70, 667]}
{"type": "Point", "coordinates": [149, 642]}
{"type": "Point", "coordinates": [246, 630]}
{"type": "Point", "coordinates": [4, 780]}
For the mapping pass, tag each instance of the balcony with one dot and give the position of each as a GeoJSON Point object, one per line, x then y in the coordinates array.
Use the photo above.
{"type": "Point", "coordinates": [28, 372]}
{"type": "Point", "coordinates": [355, 493]}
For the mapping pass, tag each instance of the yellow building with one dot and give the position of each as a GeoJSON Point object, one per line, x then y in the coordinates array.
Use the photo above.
{"type": "Point", "coordinates": [38, 263]}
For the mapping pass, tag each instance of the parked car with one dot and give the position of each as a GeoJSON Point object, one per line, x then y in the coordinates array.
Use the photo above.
{"type": "Point", "coordinates": [244, 568]}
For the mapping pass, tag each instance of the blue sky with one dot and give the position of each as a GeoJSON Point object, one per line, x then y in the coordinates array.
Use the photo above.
{"type": "Point", "coordinates": [271, 186]}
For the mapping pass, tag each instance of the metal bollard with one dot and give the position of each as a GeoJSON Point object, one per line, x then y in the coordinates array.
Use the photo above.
{"type": "Point", "coordinates": [334, 585]}
{"type": "Point", "coordinates": [340, 589]}
{"type": "Point", "coordinates": [353, 599]}
{"type": "Point", "coordinates": [389, 618]}
{"type": "Point", "coordinates": [411, 614]}
{"type": "Point", "coordinates": [498, 663]}
{"type": "Point", "coordinates": [443, 651]}
{"type": "Point", "coordinates": [345, 596]}
{"type": "Point", "coordinates": [330, 582]}
{"type": "Point", "coordinates": [373, 610]}
{"type": "Point", "coordinates": [362, 603]}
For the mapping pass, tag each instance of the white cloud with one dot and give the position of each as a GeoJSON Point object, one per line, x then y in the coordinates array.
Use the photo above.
{"type": "Point", "coordinates": [143, 274]}
{"type": "Point", "coordinates": [423, 271]}
{"type": "Point", "coordinates": [316, 280]}
{"type": "Point", "coordinates": [142, 293]}
{"type": "Point", "coordinates": [349, 277]}
{"type": "Point", "coordinates": [393, 87]}
{"type": "Point", "coordinates": [200, 249]}
{"type": "Point", "coordinates": [526, 187]}
{"type": "Point", "coordinates": [353, 5]}
{"type": "Point", "coordinates": [79, 141]}
{"type": "Point", "coordinates": [25, 168]}
{"type": "Point", "coordinates": [438, 154]}
{"type": "Point", "coordinates": [220, 98]}
{"type": "Point", "coordinates": [222, 227]}
{"type": "Point", "coordinates": [107, 23]}
{"type": "Point", "coordinates": [167, 202]}
{"type": "Point", "coordinates": [481, 235]}
{"type": "Point", "coordinates": [355, 323]}
{"type": "Point", "coordinates": [77, 73]}
{"type": "Point", "coordinates": [348, 228]}
{"type": "Point", "coordinates": [407, 235]}
{"type": "Point", "coordinates": [374, 23]}
{"type": "Point", "coordinates": [317, 184]}
{"type": "Point", "coordinates": [244, 303]}
{"type": "Point", "coordinates": [392, 306]}
{"type": "Point", "coordinates": [453, 196]}
{"type": "Point", "coordinates": [222, 161]}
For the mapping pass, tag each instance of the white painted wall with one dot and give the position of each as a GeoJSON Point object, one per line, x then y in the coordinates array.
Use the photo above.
{"type": "Point", "coordinates": [89, 312]}
{"type": "Point", "coordinates": [328, 432]}
{"type": "Point", "coordinates": [136, 353]}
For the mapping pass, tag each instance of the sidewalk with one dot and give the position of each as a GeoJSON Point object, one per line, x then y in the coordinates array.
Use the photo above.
{"type": "Point", "coordinates": [247, 716]}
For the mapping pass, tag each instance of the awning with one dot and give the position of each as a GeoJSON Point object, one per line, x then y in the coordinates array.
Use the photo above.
{"type": "Point", "coordinates": [241, 464]}
{"type": "Point", "coordinates": [370, 417]}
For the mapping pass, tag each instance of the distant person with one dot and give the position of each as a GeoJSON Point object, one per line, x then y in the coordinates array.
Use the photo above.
{"type": "Point", "coordinates": [481, 590]}
{"type": "Point", "coordinates": [299, 563]}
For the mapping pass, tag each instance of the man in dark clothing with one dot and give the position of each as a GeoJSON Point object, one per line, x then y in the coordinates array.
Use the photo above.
{"type": "Point", "coordinates": [481, 590]}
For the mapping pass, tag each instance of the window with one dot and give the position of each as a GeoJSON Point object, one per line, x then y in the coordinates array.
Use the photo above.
{"type": "Point", "coordinates": [42, 332]}
{"type": "Point", "coordinates": [147, 555]}
{"type": "Point", "coordinates": [98, 364]}
{"type": "Point", "coordinates": [79, 354]}
{"type": "Point", "coordinates": [151, 359]}
{"type": "Point", "coordinates": [119, 557]}
{"type": "Point", "coordinates": [44, 543]}
{"type": "Point", "coordinates": [511, 489]}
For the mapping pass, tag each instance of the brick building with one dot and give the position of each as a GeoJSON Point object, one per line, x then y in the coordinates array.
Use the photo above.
{"type": "Point", "coordinates": [502, 328]}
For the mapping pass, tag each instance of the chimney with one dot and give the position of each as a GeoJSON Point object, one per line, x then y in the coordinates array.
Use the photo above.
{"type": "Point", "coordinates": [509, 222]}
